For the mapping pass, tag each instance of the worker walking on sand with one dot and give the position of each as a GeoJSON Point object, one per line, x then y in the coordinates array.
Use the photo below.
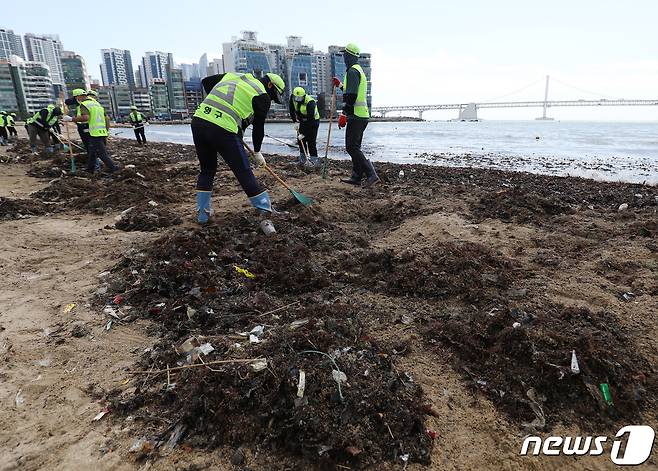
{"type": "Point", "coordinates": [355, 116]}
{"type": "Point", "coordinates": [4, 139]}
{"type": "Point", "coordinates": [234, 102]}
{"type": "Point", "coordinates": [304, 113]}
{"type": "Point", "coordinates": [39, 125]}
{"type": "Point", "coordinates": [137, 120]}
{"type": "Point", "coordinates": [11, 125]}
{"type": "Point", "coordinates": [92, 113]}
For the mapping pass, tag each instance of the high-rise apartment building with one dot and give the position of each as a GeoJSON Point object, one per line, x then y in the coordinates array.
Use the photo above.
{"type": "Point", "coordinates": [105, 98]}
{"type": "Point", "coordinates": [176, 91]}
{"type": "Point", "coordinates": [8, 100]}
{"type": "Point", "coordinates": [248, 55]}
{"type": "Point", "coordinates": [193, 95]}
{"type": "Point", "coordinates": [117, 67]}
{"type": "Point", "coordinates": [142, 100]}
{"type": "Point", "coordinates": [190, 71]}
{"type": "Point", "coordinates": [32, 84]}
{"type": "Point", "coordinates": [154, 66]}
{"type": "Point", "coordinates": [47, 49]}
{"type": "Point", "coordinates": [159, 98]}
{"type": "Point", "coordinates": [203, 65]}
{"type": "Point", "coordinates": [10, 44]}
{"type": "Point", "coordinates": [75, 71]}
{"type": "Point", "coordinates": [215, 67]}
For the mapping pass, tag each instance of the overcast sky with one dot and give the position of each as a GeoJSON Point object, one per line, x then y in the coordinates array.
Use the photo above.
{"type": "Point", "coordinates": [423, 52]}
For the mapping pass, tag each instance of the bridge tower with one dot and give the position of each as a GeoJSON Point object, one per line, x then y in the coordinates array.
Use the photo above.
{"type": "Point", "coordinates": [544, 117]}
{"type": "Point", "coordinates": [468, 112]}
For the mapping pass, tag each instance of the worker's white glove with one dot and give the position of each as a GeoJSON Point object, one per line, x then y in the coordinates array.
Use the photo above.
{"type": "Point", "coordinates": [296, 127]}
{"type": "Point", "coordinates": [66, 118]}
{"type": "Point", "coordinates": [300, 137]}
{"type": "Point", "coordinates": [258, 159]}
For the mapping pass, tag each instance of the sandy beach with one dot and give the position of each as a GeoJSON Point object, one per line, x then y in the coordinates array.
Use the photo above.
{"type": "Point", "coordinates": [450, 300]}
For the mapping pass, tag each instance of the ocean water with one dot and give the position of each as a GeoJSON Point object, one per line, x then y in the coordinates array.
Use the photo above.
{"type": "Point", "coordinates": [603, 151]}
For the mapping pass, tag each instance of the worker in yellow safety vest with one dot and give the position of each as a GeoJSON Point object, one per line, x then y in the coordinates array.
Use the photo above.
{"type": "Point", "coordinates": [304, 113]}
{"type": "Point", "coordinates": [355, 116]}
{"type": "Point", "coordinates": [92, 113]}
{"type": "Point", "coordinates": [233, 103]}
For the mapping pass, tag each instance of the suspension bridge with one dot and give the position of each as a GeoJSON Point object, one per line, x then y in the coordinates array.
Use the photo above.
{"type": "Point", "coordinates": [469, 111]}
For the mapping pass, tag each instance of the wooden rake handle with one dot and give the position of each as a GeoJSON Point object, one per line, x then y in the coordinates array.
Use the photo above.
{"type": "Point", "coordinates": [279, 179]}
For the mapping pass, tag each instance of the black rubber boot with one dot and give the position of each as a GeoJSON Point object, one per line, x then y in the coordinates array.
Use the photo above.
{"type": "Point", "coordinates": [372, 179]}
{"type": "Point", "coordinates": [355, 179]}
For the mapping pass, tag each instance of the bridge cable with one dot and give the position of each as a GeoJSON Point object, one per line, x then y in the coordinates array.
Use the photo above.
{"type": "Point", "coordinates": [514, 92]}
{"type": "Point", "coordinates": [585, 91]}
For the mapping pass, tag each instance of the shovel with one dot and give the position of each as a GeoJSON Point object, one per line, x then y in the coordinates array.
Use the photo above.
{"type": "Point", "coordinates": [300, 138]}
{"type": "Point", "coordinates": [303, 199]}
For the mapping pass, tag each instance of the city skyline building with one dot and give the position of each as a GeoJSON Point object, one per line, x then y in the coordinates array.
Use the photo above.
{"type": "Point", "coordinates": [47, 49]}
{"type": "Point", "coordinates": [8, 99]}
{"type": "Point", "coordinates": [203, 65]}
{"type": "Point", "coordinates": [176, 91]}
{"type": "Point", "coordinates": [142, 100]}
{"type": "Point", "coordinates": [11, 44]}
{"type": "Point", "coordinates": [154, 65]}
{"type": "Point", "coordinates": [32, 84]}
{"type": "Point", "coordinates": [193, 95]}
{"type": "Point", "coordinates": [159, 98]}
{"type": "Point", "coordinates": [190, 71]}
{"type": "Point", "coordinates": [75, 71]}
{"type": "Point", "coordinates": [117, 67]}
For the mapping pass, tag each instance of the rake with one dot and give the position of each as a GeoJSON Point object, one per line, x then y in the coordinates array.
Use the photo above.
{"type": "Point", "coordinates": [303, 199]}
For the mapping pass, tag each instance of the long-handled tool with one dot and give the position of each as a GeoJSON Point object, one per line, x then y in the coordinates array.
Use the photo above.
{"type": "Point", "coordinates": [300, 138]}
{"type": "Point", "coordinates": [303, 199]}
{"type": "Point", "coordinates": [67, 140]}
{"type": "Point", "coordinates": [282, 141]}
{"type": "Point", "coordinates": [59, 136]}
{"type": "Point", "coordinates": [65, 108]}
{"type": "Point", "coordinates": [325, 161]}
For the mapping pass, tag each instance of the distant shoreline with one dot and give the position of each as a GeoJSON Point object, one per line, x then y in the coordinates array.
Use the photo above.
{"type": "Point", "coordinates": [398, 119]}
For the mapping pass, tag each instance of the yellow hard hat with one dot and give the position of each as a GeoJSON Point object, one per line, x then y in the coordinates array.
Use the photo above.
{"type": "Point", "coordinates": [79, 92]}
{"type": "Point", "coordinates": [353, 49]}
{"type": "Point", "coordinates": [299, 93]}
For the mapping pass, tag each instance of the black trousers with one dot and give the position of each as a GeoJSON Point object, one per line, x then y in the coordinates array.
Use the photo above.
{"type": "Point", "coordinates": [83, 131]}
{"type": "Point", "coordinates": [353, 141]}
{"type": "Point", "coordinates": [310, 131]}
{"type": "Point", "coordinates": [97, 150]}
{"type": "Point", "coordinates": [139, 134]}
{"type": "Point", "coordinates": [3, 132]}
{"type": "Point", "coordinates": [12, 131]}
{"type": "Point", "coordinates": [209, 140]}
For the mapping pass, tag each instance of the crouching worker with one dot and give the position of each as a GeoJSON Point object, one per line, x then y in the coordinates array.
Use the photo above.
{"type": "Point", "coordinates": [39, 125]}
{"type": "Point", "coordinates": [304, 110]}
{"type": "Point", "coordinates": [234, 102]}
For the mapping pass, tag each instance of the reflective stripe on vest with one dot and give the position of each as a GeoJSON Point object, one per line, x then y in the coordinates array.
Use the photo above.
{"type": "Point", "coordinates": [97, 123]}
{"type": "Point", "coordinates": [50, 119]}
{"type": "Point", "coordinates": [301, 108]}
{"type": "Point", "coordinates": [361, 104]}
{"type": "Point", "coordinates": [229, 103]}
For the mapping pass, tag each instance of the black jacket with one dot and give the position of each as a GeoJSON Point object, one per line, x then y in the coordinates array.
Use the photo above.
{"type": "Point", "coordinates": [310, 111]}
